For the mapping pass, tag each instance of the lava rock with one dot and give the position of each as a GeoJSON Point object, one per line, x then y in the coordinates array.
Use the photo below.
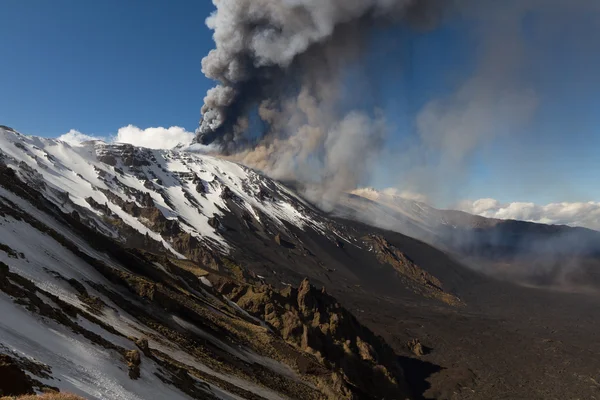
{"type": "Point", "coordinates": [134, 360]}
{"type": "Point", "coordinates": [142, 344]}
{"type": "Point", "coordinates": [416, 347]}
{"type": "Point", "coordinates": [13, 380]}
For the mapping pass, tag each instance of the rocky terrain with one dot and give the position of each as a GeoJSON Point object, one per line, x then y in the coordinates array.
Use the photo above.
{"type": "Point", "coordinates": [118, 266]}
{"type": "Point", "coordinates": [128, 273]}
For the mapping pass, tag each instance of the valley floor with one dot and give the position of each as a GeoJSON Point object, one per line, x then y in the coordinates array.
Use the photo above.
{"type": "Point", "coordinates": [509, 343]}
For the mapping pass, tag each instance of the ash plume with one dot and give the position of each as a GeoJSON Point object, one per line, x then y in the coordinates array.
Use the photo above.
{"type": "Point", "coordinates": [283, 61]}
{"type": "Point", "coordinates": [501, 100]}
{"type": "Point", "coordinates": [281, 99]}
{"type": "Point", "coordinates": [258, 41]}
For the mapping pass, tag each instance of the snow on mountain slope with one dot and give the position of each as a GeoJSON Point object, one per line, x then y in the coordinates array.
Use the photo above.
{"type": "Point", "coordinates": [417, 212]}
{"type": "Point", "coordinates": [128, 273]}
{"type": "Point", "coordinates": [189, 190]}
{"type": "Point", "coordinates": [62, 314]}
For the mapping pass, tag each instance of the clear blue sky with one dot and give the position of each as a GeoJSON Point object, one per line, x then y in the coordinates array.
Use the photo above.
{"type": "Point", "coordinates": [96, 66]}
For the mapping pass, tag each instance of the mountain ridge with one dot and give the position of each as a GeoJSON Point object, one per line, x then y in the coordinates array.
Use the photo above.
{"type": "Point", "coordinates": [404, 204]}
{"type": "Point", "coordinates": [140, 240]}
{"type": "Point", "coordinates": [525, 252]}
{"type": "Point", "coordinates": [164, 274]}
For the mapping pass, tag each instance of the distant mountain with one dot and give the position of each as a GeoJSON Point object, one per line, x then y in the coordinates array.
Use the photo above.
{"type": "Point", "coordinates": [528, 251]}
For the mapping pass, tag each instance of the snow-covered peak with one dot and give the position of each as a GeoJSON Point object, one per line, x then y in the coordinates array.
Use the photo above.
{"type": "Point", "coordinates": [122, 270]}
{"type": "Point", "coordinates": [129, 184]}
{"type": "Point", "coordinates": [390, 196]}
{"type": "Point", "coordinates": [406, 205]}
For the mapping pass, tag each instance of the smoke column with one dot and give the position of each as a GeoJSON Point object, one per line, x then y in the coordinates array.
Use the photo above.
{"type": "Point", "coordinates": [259, 42]}
{"type": "Point", "coordinates": [279, 67]}
{"type": "Point", "coordinates": [283, 61]}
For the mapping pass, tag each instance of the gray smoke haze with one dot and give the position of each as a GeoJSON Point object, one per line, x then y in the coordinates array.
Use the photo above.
{"type": "Point", "coordinates": [279, 67]}
{"type": "Point", "coordinates": [284, 59]}
{"type": "Point", "coordinates": [281, 94]}
{"type": "Point", "coordinates": [255, 37]}
{"type": "Point", "coordinates": [499, 100]}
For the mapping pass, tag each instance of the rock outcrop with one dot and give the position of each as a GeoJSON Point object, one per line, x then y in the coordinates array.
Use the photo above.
{"type": "Point", "coordinates": [13, 380]}
{"type": "Point", "coordinates": [313, 321]}
{"type": "Point", "coordinates": [415, 347]}
{"type": "Point", "coordinates": [134, 360]}
{"type": "Point", "coordinates": [413, 276]}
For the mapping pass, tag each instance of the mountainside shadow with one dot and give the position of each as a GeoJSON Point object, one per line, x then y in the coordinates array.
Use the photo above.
{"type": "Point", "coordinates": [416, 372]}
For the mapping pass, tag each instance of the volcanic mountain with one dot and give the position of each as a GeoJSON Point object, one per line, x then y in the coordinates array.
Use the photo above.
{"type": "Point", "coordinates": [526, 252]}
{"type": "Point", "coordinates": [129, 273]}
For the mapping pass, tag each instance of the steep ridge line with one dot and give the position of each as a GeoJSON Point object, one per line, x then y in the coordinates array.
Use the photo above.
{"type": "Point", "coordinates": [106, 272]}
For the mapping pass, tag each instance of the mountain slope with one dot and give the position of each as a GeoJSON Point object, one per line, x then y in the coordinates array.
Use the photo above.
{"type": "Point", "coordinates": [99, 304]}
{"type": "Point", "coordinates": [101, 179]}
{"type": "Point", "coordinates": [549, 255]}
{"type": "Point", "coordinates": [193, 207]}
{"type": "Point", "coordinates": [118, 265]}
{"type": "Point", "coordinates": [178, 275]}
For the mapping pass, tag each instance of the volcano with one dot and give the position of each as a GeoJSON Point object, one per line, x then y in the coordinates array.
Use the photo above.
{"type": "Point", "coordinates": [129, 273]}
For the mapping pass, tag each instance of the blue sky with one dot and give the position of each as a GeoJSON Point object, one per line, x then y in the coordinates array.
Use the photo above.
{"type": "Point", "coordinates": [98, 66]}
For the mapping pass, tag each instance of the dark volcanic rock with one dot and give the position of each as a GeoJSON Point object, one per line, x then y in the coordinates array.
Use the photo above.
{"type": "Point", "coordinates": [200, 187]}
{"type": "Point", "coordinates": [214, 222]}
{"type": "Point", "coordinates": [227, 194]}
{"type": "Point", "coordinates": [316, 323]}
{"type": "Point", "coordinates": [99, 207]}
{"type": "Point", "coordinates": [415, 347]}
{"type": "Point", "coordinates": [414, 276]}
{"type": "Point", "coordinates": [13, 380]}
{"type": "Point", "coordinates": [108, 159]}
{"type": "Point", "coordinates": [134, 360]}
{"type": "Point", "coordinates": [153, 218]}
{"type": "Point", "coordinates": [146, 200]}
{"type": "Point", "coordinates": [142, 344]}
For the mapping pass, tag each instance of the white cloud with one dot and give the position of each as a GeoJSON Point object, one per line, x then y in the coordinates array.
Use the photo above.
{"type": "Point", "coordinates": [154, 138]}
{"type": "Point", "coordinates": [574, 214]}
{"type": "Point", "coordinates": [74, 137]}
{"type": "Point", "coordinates": [390, 194]}
{"type": "Point", "coordinates": [406, 194]}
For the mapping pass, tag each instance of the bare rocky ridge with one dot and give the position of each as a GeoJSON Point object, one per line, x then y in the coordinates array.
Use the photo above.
{"type": "Point", "coordinates": [14, 380]}
{"type": "Point", "coordinates": [423, 282]}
